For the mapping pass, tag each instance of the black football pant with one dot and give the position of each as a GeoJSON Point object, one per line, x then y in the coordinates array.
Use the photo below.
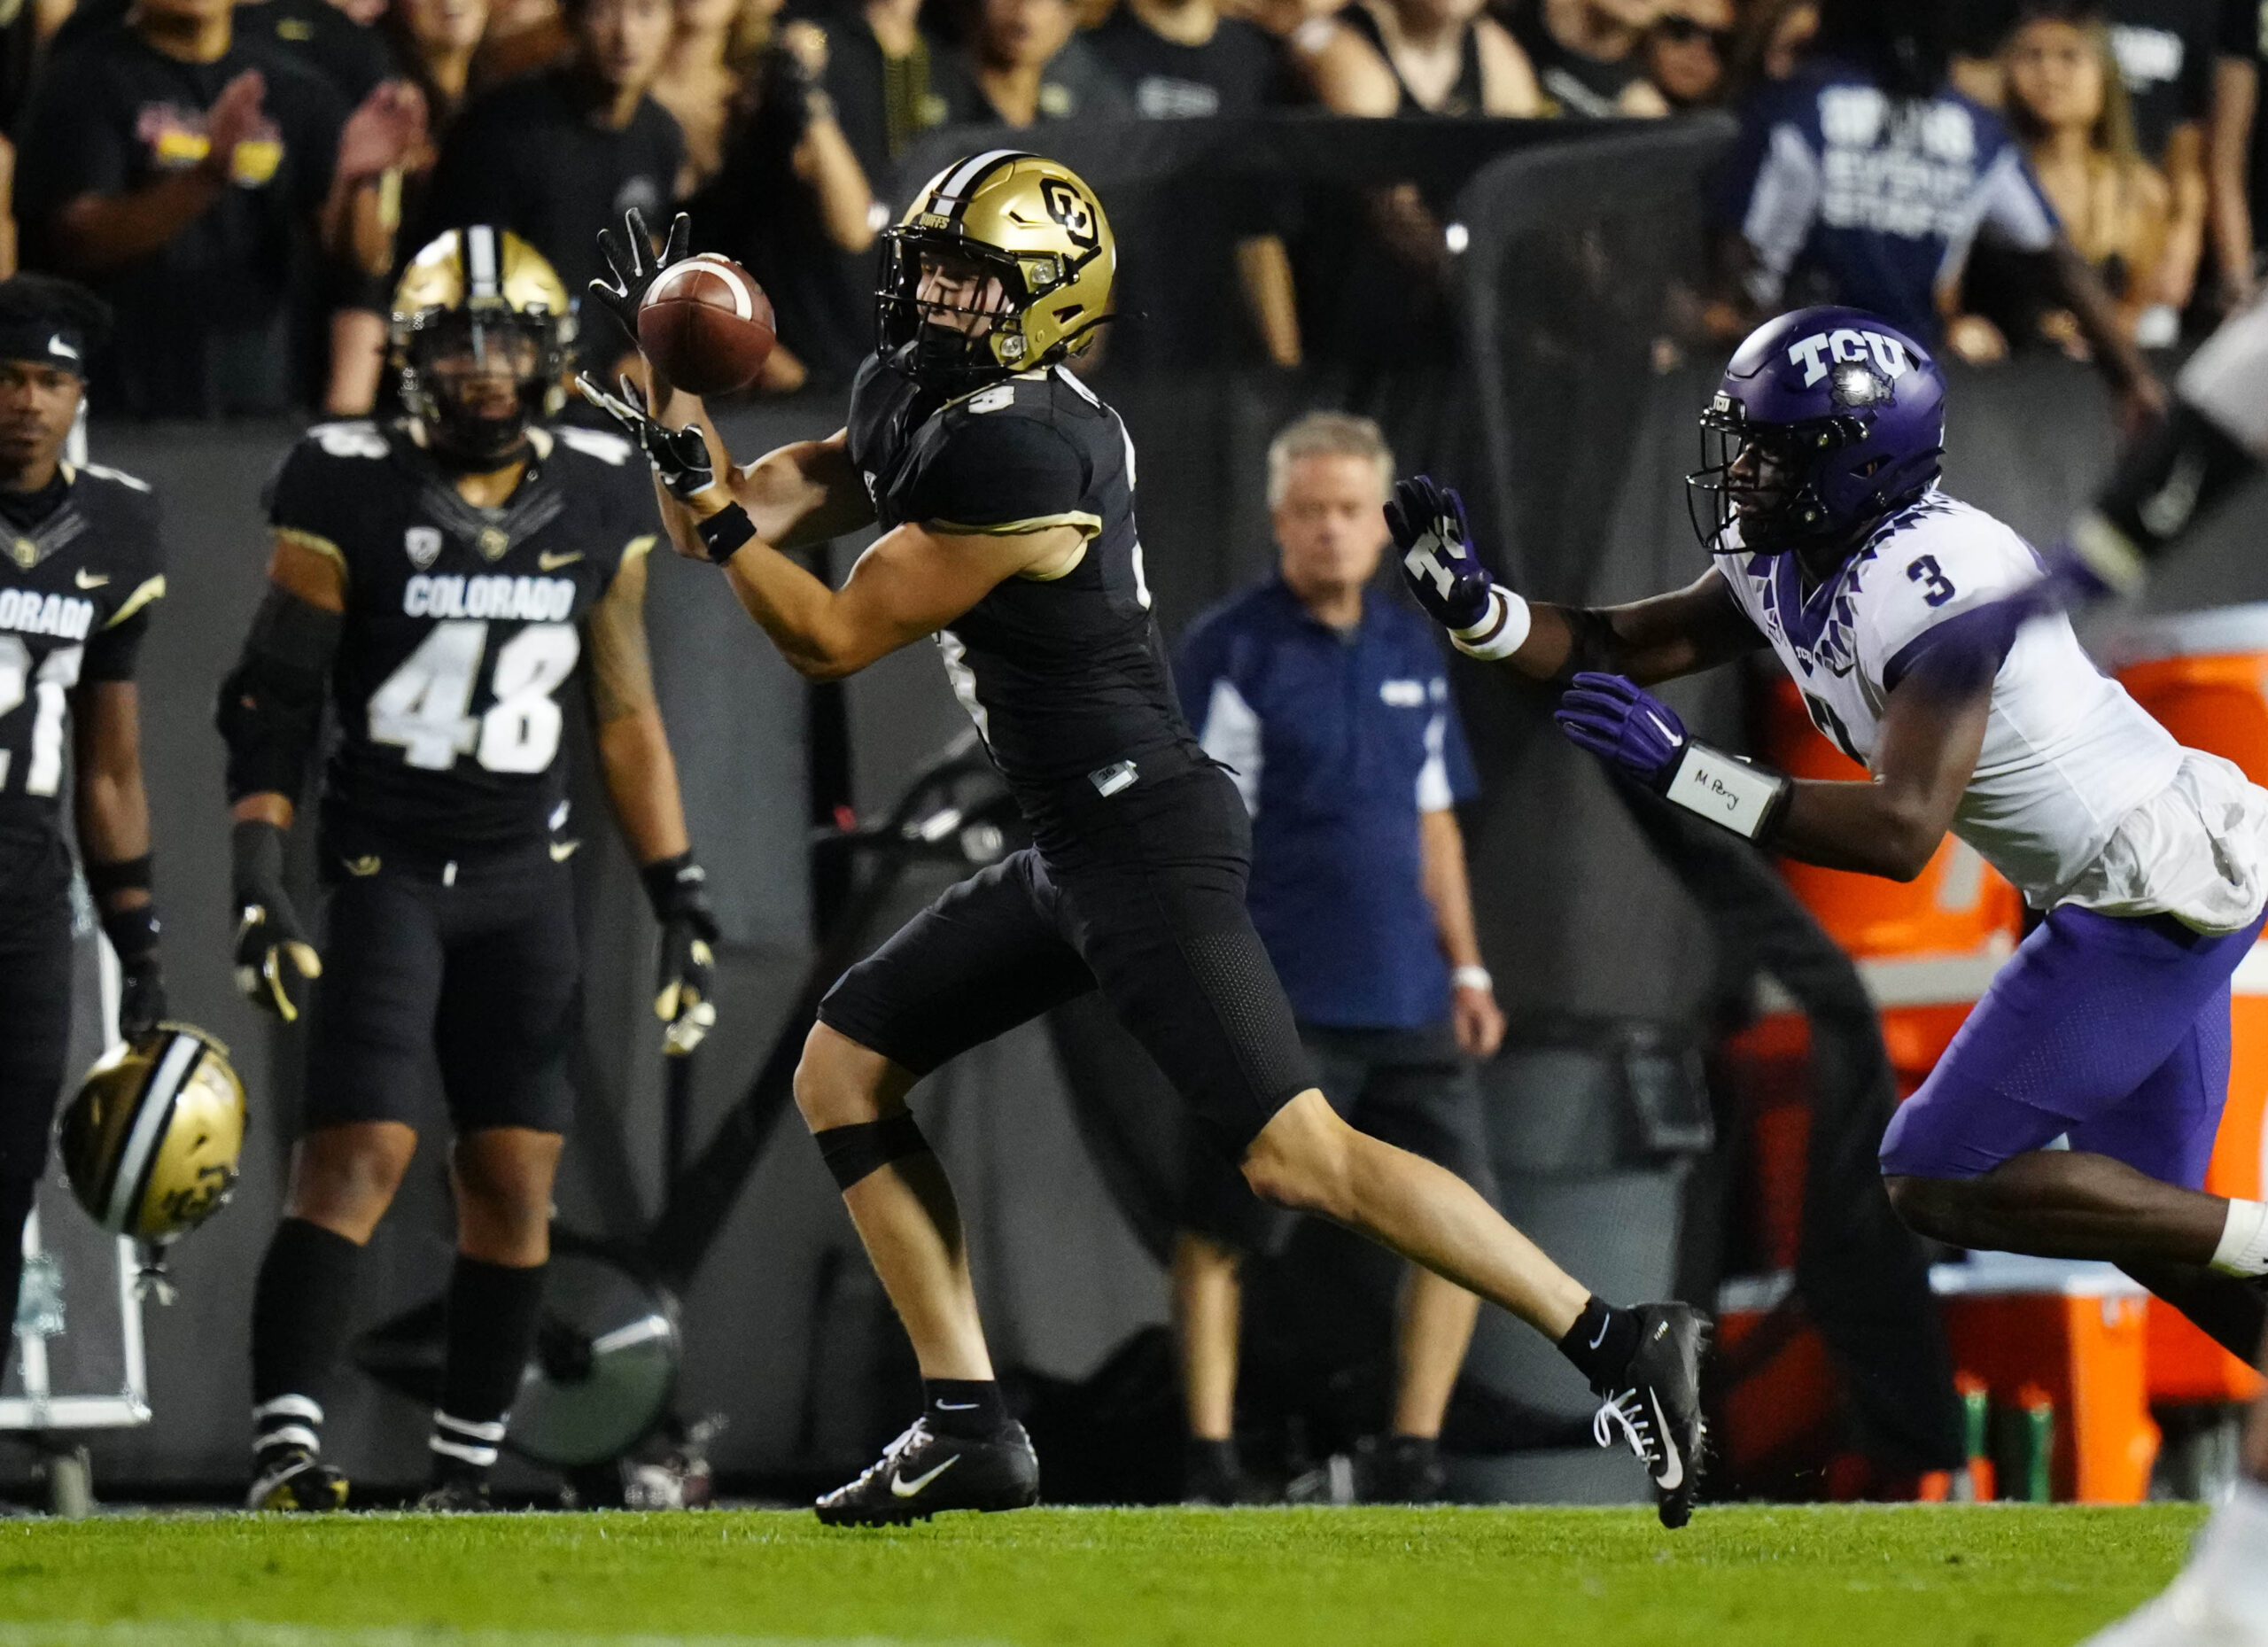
{"type": "Point", "coordinates": [35, 960]}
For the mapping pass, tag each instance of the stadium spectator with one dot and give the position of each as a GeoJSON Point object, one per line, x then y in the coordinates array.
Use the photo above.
{"type": "Point", "coordinates": [523, 36]}
{"type": "Point", "coordinates": [880, 71]}
{"type": "Point", "coordinates": [790, 201]}
{"type": "Point", "coordinates": [1332, 707]}
{"type": "Point", "coordinates": [2066, 102]}
{"type": "Point", "coordinates": [1183, 59]}
{"type": "Point", "coordinates": [434, 43]}
{"type": "Point", "coordinates": [1769, 43]}
{"type": "Point", "coordinates": [1020, 65]}
{"type": "Point", "coordinates": [2236, 166]}
{"type": "Point", "coordinates": [1814, 194]}
{"type": "Point", "coordinates": [179, 171]}
{"type": "Point", "coordinates": [559, 154]}
{"type": "Point", "coordinates": [1684, 52]}
{"type": "Point", "coordinates": [698, 83]}
{"type": "Point", "coordinates": [350, 56]}
{"type": "Point", "coordinates": [1588, 55]}
{"type": "Point", "coordinates": [2163, 51]}
{"type": "Point", "coordinates": [1381, 57]}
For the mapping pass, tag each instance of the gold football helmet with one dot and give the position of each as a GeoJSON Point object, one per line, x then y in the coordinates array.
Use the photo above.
{"type": "Point", "coordinates": [151, 1140]}
{"type": "Point", "coordinates": [475, 298]}
{"type": "Point", "coordinates": [1039, 235]}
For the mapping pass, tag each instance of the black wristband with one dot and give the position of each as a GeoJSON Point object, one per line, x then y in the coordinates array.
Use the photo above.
{"type": "Point", "coordinates": [127, 874]}
{"type": "Point", "coordinates": [724, 533]}
{"type": "Point", "coordinates": [255, 860]}
{"type": "Point", "coordinates": [133, 933]}
{"type": "Point", "coordinates": [674, 885]}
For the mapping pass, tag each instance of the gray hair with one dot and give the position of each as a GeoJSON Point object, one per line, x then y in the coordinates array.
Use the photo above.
{"type": "Point", "coordinates": [1327, 434]}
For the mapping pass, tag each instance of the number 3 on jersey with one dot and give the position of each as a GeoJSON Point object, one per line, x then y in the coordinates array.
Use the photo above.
{"type": "Point", "coordinates": [422, 706]}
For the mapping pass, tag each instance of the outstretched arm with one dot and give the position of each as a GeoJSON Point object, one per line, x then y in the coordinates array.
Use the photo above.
{"type": "Point", "coordinates": [1679, 633]}
{"type": "Point", "coordinates": [633, 749]}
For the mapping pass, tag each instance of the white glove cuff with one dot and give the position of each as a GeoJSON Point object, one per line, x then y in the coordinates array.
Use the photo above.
{"type": "Point", "coordinates": [1500, 632]}
{"type": "Point", "coordinates": [1727, 791]}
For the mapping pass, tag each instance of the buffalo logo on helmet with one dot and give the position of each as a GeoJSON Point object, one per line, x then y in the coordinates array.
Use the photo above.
{"type": "Point", "coordinates": [1068, 207]}
{"type": "Point", "coordinates": [151, 1140]}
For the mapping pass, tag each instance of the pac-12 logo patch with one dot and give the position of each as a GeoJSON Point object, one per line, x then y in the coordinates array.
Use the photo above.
{"type": "Point", "coordinates": [422, 545]}
{"type": "Point", "coordinates": [1071, 209]}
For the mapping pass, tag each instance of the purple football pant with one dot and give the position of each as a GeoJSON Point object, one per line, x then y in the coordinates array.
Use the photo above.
{"type": "Point", "coordinates": [2111, 1030]}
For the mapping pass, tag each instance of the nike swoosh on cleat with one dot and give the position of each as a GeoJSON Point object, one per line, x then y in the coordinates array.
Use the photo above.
{"type": "Point", "coordinates": [904, 1489]}
{"type": "Point", "coordinates": [1672, 1475]}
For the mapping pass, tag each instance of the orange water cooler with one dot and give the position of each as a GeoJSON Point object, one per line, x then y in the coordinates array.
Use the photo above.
{"type": "Point", "coordinates": [2204, 676]}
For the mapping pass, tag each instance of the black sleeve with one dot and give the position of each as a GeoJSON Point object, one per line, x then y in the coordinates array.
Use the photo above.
{"type": "Point", "coordinates": [306, 497]}
{"type": "Point", "coordinates": [1000, 472]}
{"type": "Point", "coordinates": [112, 653]}
{"type": "Point", "coordinates": [2242, 26]}
{"type": "Point", "coordinates": [70, 143]}
{"type": "Point", "coordinates": [113, 650]}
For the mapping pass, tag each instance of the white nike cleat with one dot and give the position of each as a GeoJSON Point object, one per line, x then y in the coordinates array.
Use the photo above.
{"type": "Point", "coordinates": [922, 1473]}
{"type": "Point", "coordinates": [2191, 1613]}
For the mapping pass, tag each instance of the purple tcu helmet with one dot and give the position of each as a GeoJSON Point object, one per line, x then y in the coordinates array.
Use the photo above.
{"type": "Point", "coordinates": [1848, 408]}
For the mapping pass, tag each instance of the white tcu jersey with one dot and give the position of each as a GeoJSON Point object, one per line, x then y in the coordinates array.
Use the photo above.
{"type": "Point", "coordinates": [2227, 379]}
{"type": "Point", "coordinates": [2070, 761]}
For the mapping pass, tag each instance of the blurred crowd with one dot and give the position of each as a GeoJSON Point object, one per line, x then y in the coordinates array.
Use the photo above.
{"type": "Point", "coordinates": [241, 180]}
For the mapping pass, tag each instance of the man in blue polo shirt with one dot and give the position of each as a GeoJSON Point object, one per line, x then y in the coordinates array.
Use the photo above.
{"type": "Point", "coordinates": [1334, 709]}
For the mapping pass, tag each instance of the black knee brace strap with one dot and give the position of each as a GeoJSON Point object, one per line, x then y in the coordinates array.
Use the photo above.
{"type": "Point", "coordinates": [854, 1152]}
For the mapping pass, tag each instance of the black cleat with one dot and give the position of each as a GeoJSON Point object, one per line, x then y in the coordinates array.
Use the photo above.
{"type": "Point", "coordinates": [456, 1496]}
{"type": "Point", "coordinates": [1398, 1470]}
{"type": "Point", "coordinates": [1657, 1405]}
{"type": "Point", "coordinates": [1212, 1474]}
{"type": "Point", "coordinates": [922, 1473]}
{"type": "Point", "coordinates": [296, 1479]}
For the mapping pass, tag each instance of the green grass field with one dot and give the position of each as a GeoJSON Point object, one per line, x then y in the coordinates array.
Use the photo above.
{"type": "Point", "coordinates": [1934, 1577]}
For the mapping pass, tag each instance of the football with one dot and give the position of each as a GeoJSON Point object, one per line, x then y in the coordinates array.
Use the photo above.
{"type": "Point", "coordinates": [707, 324]}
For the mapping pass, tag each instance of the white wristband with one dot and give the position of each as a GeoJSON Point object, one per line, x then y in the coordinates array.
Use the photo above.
{"type": "Point", "coordinates": [1500, 632]}
{"type": "Point", "coordinates": [2243, 1249]}
{"type": "Point", "coordinates": [1472, 978]}
{"type": "Point", "coordinates": [1727, 791]}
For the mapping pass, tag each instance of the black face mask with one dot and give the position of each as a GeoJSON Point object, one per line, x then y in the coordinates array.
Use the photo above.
{"type": "Point", "coordinates": [461, 439]}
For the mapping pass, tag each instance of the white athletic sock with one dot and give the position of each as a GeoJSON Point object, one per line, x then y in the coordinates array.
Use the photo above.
{"type": "Point", "coordinates": [2244, 1240]}
{"type": "Point", "coordinates": [2231, 1558]}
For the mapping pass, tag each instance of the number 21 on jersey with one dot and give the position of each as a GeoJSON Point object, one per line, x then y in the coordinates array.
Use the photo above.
{"type": "Point", "coordinates": [423, 706]}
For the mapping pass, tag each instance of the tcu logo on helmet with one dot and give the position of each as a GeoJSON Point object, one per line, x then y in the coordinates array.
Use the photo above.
{"type": "Point", "coordinates": [1846, 346]}
{"type": "Point", "coordinates": [1065, 206]}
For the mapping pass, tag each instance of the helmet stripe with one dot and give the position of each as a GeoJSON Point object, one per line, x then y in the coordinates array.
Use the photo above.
{"type": "Point", "coordinates": [953, 194]}
{"type": "Point", "coordinates": [152, 1117]}
{"type": "Point", "coordinates": [480, 261]}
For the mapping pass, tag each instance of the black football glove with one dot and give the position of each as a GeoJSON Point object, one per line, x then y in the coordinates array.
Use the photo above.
{"type": "Point", "coordinates": [634, 264]}
{"type": "Point", "coordinates": [680, 456]}
{"type": "Point", "coordinates": [679, 893]}
{"type": "Point", "coordinates": [133, 935]}
{"type": "Point", "coordinates": [274, 962]}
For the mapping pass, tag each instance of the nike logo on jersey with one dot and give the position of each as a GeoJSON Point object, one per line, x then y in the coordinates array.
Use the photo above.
{"type": "Point", "coordinates": [362, 867]}
{"type": "Point", "coordinates": [904, 1488]}
{"type": "Point", "coordinates": [86, 579]}
{"type": "Point", "coordinates": [550, 562]}
{"type": "Point", "coordinates": [529, 600]}
{"type": "Point", "coordinates": [2167, 510]}
{"type": "Point", "coordinates": [34, 613]}
{"type": "Point", "coordinates": [562, 850]}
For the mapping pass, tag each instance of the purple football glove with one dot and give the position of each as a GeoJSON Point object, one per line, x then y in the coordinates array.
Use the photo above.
{"type": "Point", "coordinates": [1625, 725]}
{"type": "Point", "coordinates": [1438, 563]}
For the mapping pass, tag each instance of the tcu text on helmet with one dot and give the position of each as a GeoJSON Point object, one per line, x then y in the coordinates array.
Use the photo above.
{"type": "Point", "coordinates": [1845, 344]}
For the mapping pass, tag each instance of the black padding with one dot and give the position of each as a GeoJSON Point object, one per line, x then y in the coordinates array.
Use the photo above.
{"type": "Point", "coordinates": [857, 1150]}
{"type": "Point", "coordinates": [124, 875]}
{"type": "Point", "coordinates": [270, 709]}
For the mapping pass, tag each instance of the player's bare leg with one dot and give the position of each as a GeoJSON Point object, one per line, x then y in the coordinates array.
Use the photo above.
{"type": "Point", "coordinates": [964, 1452]}
{"type": "Point", "coordinates": [2065, 1204]}
{"type": "Point", "coordinates": [1645, 1360]}
{"type": "Point", "coordinates": [1209, 1316]}
{"type": "Point", "coordinates": [1435, 1328]}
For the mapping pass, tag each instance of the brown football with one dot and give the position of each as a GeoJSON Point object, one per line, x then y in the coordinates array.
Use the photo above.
{"type": "Point", "coordinates": [707, 324]}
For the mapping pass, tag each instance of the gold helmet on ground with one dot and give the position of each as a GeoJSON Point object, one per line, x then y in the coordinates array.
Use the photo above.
{"type": "Point", "coordinates": [1032, 226]}
{"type": "Point", "coordinates": [151, 1140]}
{"type": "Point", "coordinates": [481, 295]}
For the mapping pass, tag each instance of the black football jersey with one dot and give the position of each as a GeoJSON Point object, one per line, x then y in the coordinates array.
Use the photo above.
{"type": "Point", "coordinates": [75, 586]}
{"type": "Point", "coordinates": [462, 625]}
{"type": "Point", "coordinates": [1065, 677]}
